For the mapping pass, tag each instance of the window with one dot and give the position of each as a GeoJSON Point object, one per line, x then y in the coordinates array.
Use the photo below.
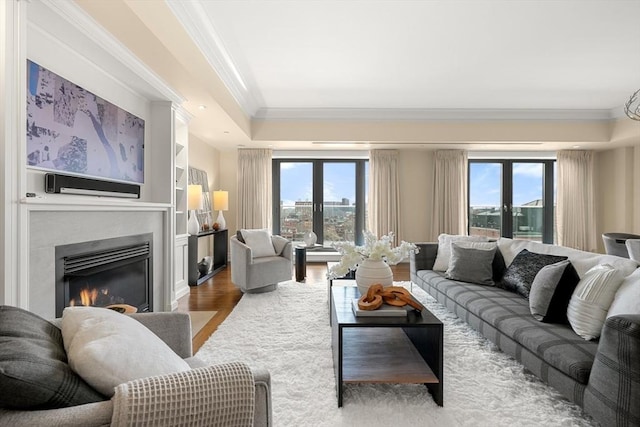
{"type": "Point", "coordinates": [327, 197]}
{"type": "Point", "coordinates": [512, 198]}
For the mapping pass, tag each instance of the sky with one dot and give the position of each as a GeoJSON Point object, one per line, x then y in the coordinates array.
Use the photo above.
{"type": "Point", "coordinates": [485, 179]}
{"type": "Point", "coordinates": [296, 182]}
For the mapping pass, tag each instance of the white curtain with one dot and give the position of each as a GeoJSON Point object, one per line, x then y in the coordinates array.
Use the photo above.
{"type": "Point", "coordinates": [384, 195]}
{"type": "Point", "coordinates": [254, 188]}
{"type": "Point", "coordinates": [449, 206]}
{"type": "Point", "coordinates": [576, 214]}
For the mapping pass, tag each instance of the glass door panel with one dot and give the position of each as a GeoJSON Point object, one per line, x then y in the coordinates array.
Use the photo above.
{"type": "Point", "coordinates": [528, 201]}
{"type": "Point", "coordinates": [485, 199]}
{"type": "Point", "coordinates": [339, 202]}
{"type": "Point", "coordinates": [296, 200]}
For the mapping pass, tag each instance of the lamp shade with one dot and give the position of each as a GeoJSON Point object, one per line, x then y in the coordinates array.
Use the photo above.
{"type": "Point", "coordinates": [221, 200]}
{"type": "Point", "coordinates": [194, 200]}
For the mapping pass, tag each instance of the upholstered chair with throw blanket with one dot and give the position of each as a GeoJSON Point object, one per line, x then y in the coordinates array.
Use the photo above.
{"type": "Point", "coordinates": [97, 367]}
{"type": "Point", "coordinates": [259, 261]}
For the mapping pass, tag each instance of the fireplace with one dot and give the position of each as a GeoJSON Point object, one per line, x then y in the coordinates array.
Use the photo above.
{"type": "Point", "coordinates": [105, 273]}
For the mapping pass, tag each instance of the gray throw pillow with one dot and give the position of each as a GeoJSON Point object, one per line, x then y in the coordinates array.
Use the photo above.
{"type": "Point", "coordinates": [523, 269]}
{"type": "Point", "coordinates": [551, 292]}
{"type": "Point", "coordinates": [472, 262]}
{"type": "Point", "coordinates": [34, 373]}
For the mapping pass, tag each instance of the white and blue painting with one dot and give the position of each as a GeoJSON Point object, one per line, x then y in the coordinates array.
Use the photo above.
{"type": "Point", "coordinates": [71, 130]}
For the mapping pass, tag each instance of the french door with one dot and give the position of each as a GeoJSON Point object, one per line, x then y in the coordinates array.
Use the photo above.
{"type": "Point", "coordinates": [325, 196]}
{"type": "Point", "coordinates": [512, 198]}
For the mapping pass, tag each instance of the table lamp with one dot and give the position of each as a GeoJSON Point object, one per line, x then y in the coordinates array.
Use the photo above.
{"type": "Point", "coordinates": [221, 203]}
{"type": "Point", "coordinates": [194, 201]}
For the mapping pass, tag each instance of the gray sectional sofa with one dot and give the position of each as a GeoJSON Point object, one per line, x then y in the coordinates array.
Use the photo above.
{"type": "Point", "coordinates": [602, 376]}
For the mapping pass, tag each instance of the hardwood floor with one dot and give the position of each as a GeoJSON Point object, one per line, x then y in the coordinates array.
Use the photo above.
{"type": "Point", "coordinates": [221, 295]}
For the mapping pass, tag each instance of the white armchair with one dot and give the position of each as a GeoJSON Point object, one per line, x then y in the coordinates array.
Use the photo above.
{"type": "Point", "coordinates": [260, 274]}
{"type": "Point", "coordinates": [633, 247]}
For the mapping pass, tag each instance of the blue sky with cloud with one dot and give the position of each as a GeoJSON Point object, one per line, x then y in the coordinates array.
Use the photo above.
{"type": "Point", "coordinates": [485, 189]}
{"type": "Point", "coordinates": [296, 182]}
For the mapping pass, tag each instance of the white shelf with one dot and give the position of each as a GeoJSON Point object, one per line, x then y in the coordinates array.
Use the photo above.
{"type": "Point", "coordinates": [179, 148]}
{"type": "Point", "coordinates": [179, 188]}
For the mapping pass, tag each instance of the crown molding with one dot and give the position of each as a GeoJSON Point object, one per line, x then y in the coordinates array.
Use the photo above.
{"type": "Point", "coordinates": [78, 18]}
{"type": "Point", "coordinates": [192, 16]}
{"type": "Point", "coordinates": [410, 114]}
{"type": "Point", "coordinates": [182, 113]}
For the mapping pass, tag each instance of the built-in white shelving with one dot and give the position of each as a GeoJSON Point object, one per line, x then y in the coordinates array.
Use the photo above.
{"type": "Point", "coordinates": [181, 165]}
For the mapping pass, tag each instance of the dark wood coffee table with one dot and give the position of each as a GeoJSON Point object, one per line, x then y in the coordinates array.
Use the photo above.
{"type": "Point", "coordinates": [395, 350]}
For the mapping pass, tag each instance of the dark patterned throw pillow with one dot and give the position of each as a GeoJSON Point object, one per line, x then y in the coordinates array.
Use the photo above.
{"type": "Point", "coordinates": [521, 272]}
{"type": "Point", "coordinates": [33, 365]}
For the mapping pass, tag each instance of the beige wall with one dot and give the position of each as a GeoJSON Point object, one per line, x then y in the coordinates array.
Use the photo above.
{"type": "Point", "coordinates": [204, 156]}
{"type": "Point", "coordinates": [229, 182]}
{"type": "Point", "coordinates": [618, 191]}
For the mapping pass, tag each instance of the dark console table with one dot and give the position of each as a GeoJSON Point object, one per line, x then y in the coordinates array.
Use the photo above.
{"type": "Point", "coordinates": [220, 247]}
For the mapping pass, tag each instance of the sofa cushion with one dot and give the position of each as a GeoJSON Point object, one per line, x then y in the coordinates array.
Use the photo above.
{"type": "Point", "coordinates": [551, 291]}
{"type": "Point", "coordinates": [591, 300]}
{"type": "Point", "coordinates": [627, 298]}
{"type": "Point", "coordinates": [555, 344]}
{"type": "Point", "coordinates": [279, 243]}
{"type": "Point", "coordinates": [472, 262]}
{"type": "Point", "coordinates": [499, 267]}
{"type": "Point", "coordinates": [34, 373]}
{"type": "Point", "coordinates": [107, 348]}
{"type": "Point", "coordinates": [582, 261]}
{"type": "Point", "coordinates": [523, 269]}
{"type": "Point", "coordinates": [444, 248]}
{"type": "Point", "coordinates": [259, 241]}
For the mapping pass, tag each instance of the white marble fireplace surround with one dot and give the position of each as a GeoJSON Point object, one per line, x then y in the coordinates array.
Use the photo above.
{"type": "Point", "coordinates": [47, 229]}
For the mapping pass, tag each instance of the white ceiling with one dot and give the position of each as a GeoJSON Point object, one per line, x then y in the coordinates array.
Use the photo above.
{"type": "Point", "coordinates": [421, 58]}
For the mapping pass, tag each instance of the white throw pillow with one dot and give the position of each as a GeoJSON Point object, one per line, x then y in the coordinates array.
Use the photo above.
{"type": "Point", "coordinates": [627, 299]}
{"type": "Point", "coordinates": [107, 348]}
{"type": "Point", "coordinates": [259, 241]}
{"type": "Point", "coordinates": [444, 248]}
{"type": "Point", "coordinates": [591, 300]}
{"type": "Point", "coordinates": [582, 261]}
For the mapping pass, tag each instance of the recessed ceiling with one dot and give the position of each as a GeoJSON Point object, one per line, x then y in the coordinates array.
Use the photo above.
{"type": "Point", "coordinates": [421, 59]}
{"type": "Point", "coordinates": [334, 75]}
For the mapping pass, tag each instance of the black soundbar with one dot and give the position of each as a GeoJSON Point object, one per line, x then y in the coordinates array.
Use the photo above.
{"type": "Point", "coordinates": [66, 184]}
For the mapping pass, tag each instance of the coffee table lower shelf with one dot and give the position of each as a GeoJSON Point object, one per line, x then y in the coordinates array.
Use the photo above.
{"type": "Point", "coordinates": [397, 361]}
{"type": "Point", "coordinates": [394, 350]}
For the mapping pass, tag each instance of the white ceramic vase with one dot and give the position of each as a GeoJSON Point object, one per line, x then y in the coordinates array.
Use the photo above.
{"type": "Point", "coordinates": [371, 272]}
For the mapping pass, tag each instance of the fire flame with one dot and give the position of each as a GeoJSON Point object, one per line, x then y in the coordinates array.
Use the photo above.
{"type": "Point", "coordinates": [88, 296]}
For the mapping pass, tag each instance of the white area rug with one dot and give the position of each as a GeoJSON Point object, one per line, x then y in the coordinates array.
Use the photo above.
{"type": "Point", "coordinates": [287, 332]}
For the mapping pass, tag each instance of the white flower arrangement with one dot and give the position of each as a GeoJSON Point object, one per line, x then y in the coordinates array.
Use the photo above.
{"type": "Point", "coordinates": [373, 249]}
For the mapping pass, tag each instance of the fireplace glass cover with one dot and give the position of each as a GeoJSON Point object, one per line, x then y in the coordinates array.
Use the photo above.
{"type": "Point", "coordinates": [120, 285]}
{"type": "Point", "coordinates": [105, 273]}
